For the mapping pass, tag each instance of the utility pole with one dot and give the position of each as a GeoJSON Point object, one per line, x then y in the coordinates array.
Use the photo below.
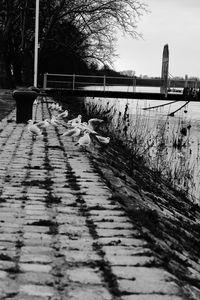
{"type": "Point", "coordinates": [36, 42]}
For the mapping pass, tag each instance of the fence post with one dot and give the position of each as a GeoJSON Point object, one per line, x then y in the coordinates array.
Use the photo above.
{"type": "Point", "coordinates": [134, 84]}
{"type": "Point", "coordinates": [73, 84]}
{"type": "Point", "coordinates": [45, 81]}
{"type": "Point", "coordinates": [186, 81]}
{"type": "Point", "coordinates": [196, 83]}
{"type": "Point", "coordinates": [104, 82]}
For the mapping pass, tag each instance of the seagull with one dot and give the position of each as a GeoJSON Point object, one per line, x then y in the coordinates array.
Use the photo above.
{"type": "Point", "coordinates": [58, 107]}
{"type": "Point", "coordinates": [52, 106]}
{"type": "Point", "coordinates": [55, 106]}
{"type": "Point", "coordinates": [75, 132]}
{"type": "Point", "coordinates": [36, 101]}
{"type": "Point", "coordinates": [85, 140]}
{"type": "Point", "coordinates": [54, 121]}
{"type": "Point", "coordinates": [102, 139]}
{"type": "Point", "coordinates": [43, 124]}
{"type": "Point", "coordinates": [64, 114]}
{"type": "Point", "coordinates": [75, 121]}
{"type": "Point", "coordinates": [34, 129]}
{"type": "Point", "coordinates": [84, 126]}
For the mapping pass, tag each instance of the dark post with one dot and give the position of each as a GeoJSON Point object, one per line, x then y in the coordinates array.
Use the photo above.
{"type": "Point", "coordinates": [164, 71]}
{"type": "Point", "coordinates": [24, 104]}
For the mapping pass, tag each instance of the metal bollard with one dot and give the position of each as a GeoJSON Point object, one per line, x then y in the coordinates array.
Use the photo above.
{"type": "Point", "coordinates": [24, 104]}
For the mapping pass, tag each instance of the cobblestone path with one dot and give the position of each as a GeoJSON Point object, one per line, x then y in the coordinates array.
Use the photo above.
{"type": "Point", "coordinates": [61, 234]}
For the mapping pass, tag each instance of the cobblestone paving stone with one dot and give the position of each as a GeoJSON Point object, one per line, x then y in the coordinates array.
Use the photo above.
{"type": "Point", "coordinates": [61, 234]}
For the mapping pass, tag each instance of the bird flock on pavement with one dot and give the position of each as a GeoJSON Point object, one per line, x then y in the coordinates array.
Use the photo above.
{"type": "Point", "coordinates": [80, 132]}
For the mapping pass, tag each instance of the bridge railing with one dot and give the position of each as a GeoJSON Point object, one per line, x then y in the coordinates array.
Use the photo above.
{"type": "Point", "coordinates": [74, 82]}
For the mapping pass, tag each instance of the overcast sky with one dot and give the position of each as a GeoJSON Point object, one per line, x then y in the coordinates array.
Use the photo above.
{"type": "Point", "coordinates": [172, 22]}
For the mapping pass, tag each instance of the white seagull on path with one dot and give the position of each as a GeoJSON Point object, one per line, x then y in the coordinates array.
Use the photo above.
{"type": "Point", "coordinates": [64, 114]}
{"type": "Point", "coordinates": [54, 121]}
{"type": "Point", "coordinates": [84, 126]}
{"type": "Point", "coordinates": [76, 121]}
{"type": "Point", "coordinates": [85, 140]}
{"type": "Point", "coordinates": [75, 132]}
{"type": "Point", "coordinates": [34, 129]}
{"type": "Point", "coordinates": [43, 124]}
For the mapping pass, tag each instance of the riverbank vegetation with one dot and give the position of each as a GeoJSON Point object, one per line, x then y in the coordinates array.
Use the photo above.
{"type": "Point", "coordinates": [160, 143]}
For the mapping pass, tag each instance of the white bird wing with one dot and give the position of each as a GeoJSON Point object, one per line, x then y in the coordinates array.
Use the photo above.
{"type": "Point", "coordinates": [63, 114]}
{"type": "Point", "coordinates": [86, 127]}
{"type": "Point", "coordinates": [43, 124]}
{"type": "Point", "coordinates": [54, 121]}
{"type": "Point", "coordinates": [70, 132]}
{"type": "Point", "coordinates": [77, 132]}
{"type": "Point", "coordinates": [93, 122]}
{"type": "Point", "coordinates": [84, 140]}
{"type": "Point", "coordinates": [52, 106]}
{"type": "Point", "coordinates": [40, 123]}
{"type": "Point", "coordinates": [102, 139]}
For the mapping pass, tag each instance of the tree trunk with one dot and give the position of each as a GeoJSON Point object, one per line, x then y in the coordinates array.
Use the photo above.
{"type": "Point", "coordinates": [6, 80]}
{"type": "Point", "coordinates": [9, 78]}
{"type": "Point", "coordinates": [27, 70]}
{"type": "Point", "coordinates": [2, 72]}
{"type": "Point", "coordinates": [17, 74]}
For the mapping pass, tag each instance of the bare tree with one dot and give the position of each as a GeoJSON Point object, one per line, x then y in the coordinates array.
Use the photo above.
{"type": "Point", "coordinates": [85, 28]}
{"type": "Point", "coordinates": [99, 21]}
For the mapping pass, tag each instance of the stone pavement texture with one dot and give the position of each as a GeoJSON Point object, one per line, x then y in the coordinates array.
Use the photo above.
{"type": "Point", "coordinates": [61, 234]}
